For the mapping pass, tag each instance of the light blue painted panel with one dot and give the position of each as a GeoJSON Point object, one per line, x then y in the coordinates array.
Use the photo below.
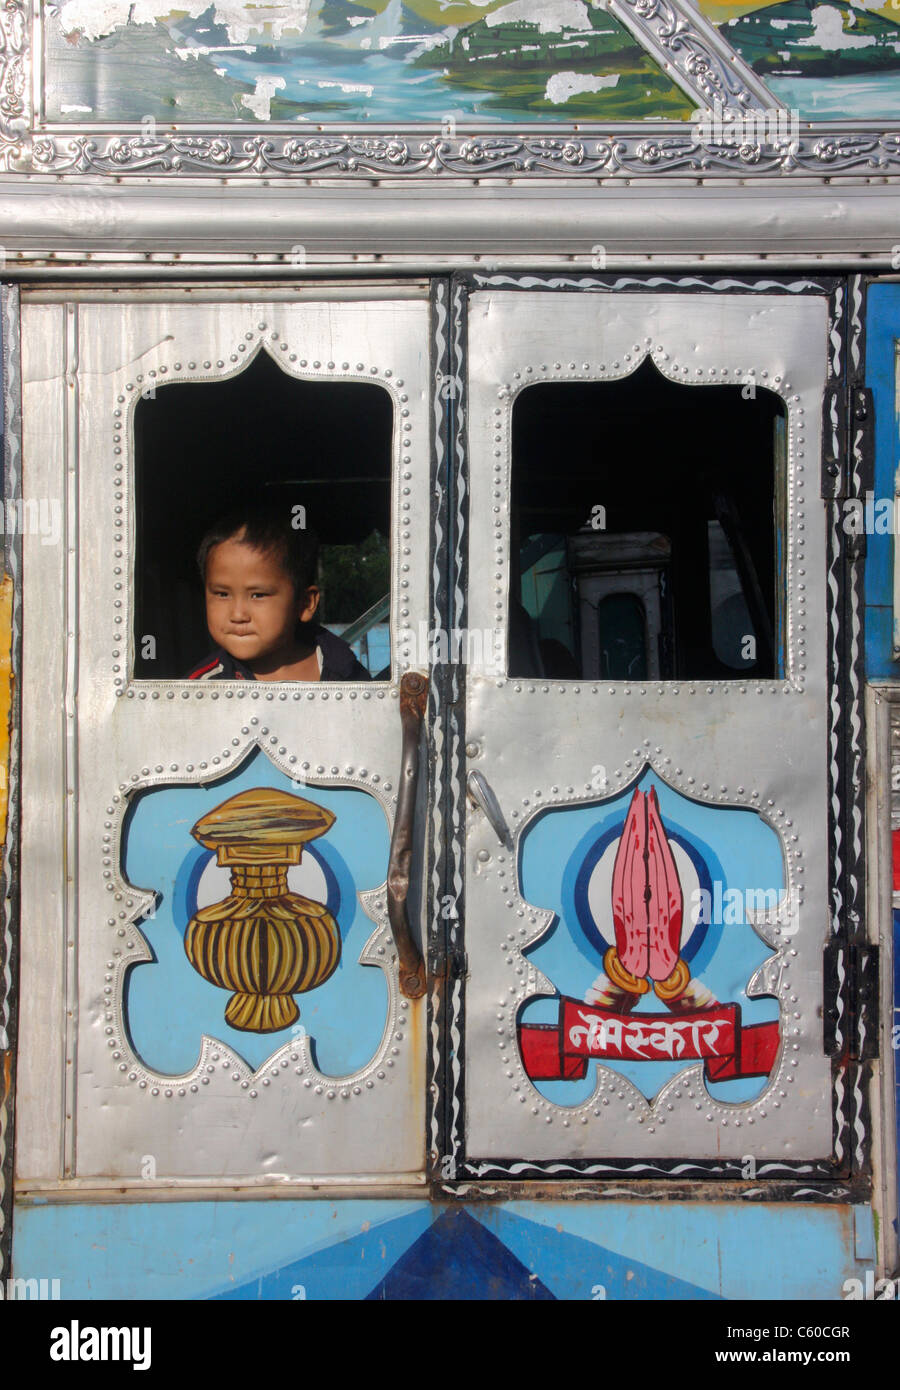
{"type": "Point", "coordinates": [169, 1006]}
{"type": "Point", "coordinates": [261, 1249]}
{"type": "Point", "coordinates": [783, 1251]}
{"type": "Point", "coordinates": [733, 848]}
{"type": "Point", "coordinates": [184, 1249]}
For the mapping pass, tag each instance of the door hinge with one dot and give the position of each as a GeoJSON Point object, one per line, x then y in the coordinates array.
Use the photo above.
{"type": "Point", "coordinates": [862, 438]}
{"type": "Point", "coordinates": [855, 543]}
{"type": "Point", "coordinates": [858, 521]}
{"type": "Point", "coordinates": [851, 1001]}
{"type": "Point", "coordinates": [448, 965]}
{"type": "Point", "coordinates": [864, 957]}
{"type": "Point", "coordinates": [459, 965]}
{"type": "Point", "coordinates": [834, 422]}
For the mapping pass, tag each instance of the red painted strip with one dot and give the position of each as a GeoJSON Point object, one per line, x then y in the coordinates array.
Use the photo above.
{"type": "Point", "coordinates": [759, 1048]}
{"type": "Point", "coordinates": [589, 1031]}
{"type": "Point", "coordinates": [716, 1035]}
{"type": "Point", "coordinates": [539, 1044]}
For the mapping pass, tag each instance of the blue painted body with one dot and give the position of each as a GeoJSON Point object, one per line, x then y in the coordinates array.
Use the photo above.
{"type": "Point", "coordinates": [583, 1251]}
{"type": "Point", "coordinates": [882, 335]}
{"type": "Point", "coordinates": [391, 1250]}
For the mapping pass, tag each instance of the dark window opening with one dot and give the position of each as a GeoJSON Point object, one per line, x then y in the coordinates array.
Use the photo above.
{"type": "Point", "coordinates": [204, 448]}
{"type": "Point", "coordinates": [647, 531]}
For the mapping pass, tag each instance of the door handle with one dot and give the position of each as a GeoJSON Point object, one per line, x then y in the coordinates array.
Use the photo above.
{"type": "Point", "coordinates": [413, 697]}
{"type": "Point", "coordinates": [482, 793]}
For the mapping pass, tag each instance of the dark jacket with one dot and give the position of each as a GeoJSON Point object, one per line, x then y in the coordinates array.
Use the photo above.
{"type": "Point", "coordinates": [338, 662]}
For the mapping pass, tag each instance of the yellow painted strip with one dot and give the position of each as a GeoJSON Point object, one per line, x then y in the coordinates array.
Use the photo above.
{"type": "Point", "coordinates": [6, 678]}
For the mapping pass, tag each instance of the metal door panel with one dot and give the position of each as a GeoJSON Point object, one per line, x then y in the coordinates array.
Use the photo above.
{"type": "Point", "coordinates": [281, 1116]}
{"type": "Point", "coordinates": [44, 952]}
{"type": "Point", "coordinates": [760, 745]}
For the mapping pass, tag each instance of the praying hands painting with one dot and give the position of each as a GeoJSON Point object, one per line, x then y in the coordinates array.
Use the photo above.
{"type": "Point", "coordinates": [674, 938]}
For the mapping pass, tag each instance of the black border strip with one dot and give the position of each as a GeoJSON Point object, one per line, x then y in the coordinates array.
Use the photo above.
{"type": "Point", "coordinates": [455, 823]}
{"type": "Point", "coordinates": [436, 876]}
{"type": "Point", "coordinates": [852, 795]}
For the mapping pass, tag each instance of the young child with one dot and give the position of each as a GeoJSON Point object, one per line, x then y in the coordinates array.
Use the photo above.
{"type": "Point", "coordinates": [261, 598]}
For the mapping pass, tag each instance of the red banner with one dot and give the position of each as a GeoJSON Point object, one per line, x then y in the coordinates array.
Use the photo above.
{"type": "Point", "coordinates": [561, 1052]}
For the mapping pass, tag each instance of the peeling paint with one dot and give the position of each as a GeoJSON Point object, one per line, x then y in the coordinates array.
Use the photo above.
{"type": "Point", "coordinates": [95, 19]}
{"type": "Point", "coordinates": [829, 32]}
{"type": "Point", "coordinates": [261, 100]}
{"type": "Point", "coordinates": [563, 85]}
{"type": "Point", "coordinates": [551, 16]}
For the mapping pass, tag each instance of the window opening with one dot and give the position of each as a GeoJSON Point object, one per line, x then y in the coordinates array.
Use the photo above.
{"type": "Point", "coordinates": [647, 531]}
{"type": "Point", "coordinates": [203, 449]}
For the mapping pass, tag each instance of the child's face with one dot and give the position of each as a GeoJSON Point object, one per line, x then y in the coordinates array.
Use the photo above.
{"type": "Point", "coordinates": [251, 607]}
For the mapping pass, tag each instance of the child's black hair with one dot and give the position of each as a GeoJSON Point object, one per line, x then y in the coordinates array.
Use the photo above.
{"type": "Point", "coordinates": [269, 527]}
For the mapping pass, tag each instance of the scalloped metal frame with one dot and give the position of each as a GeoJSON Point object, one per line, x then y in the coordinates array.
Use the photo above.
{"type": "Point", "coordinates": [687, 46]}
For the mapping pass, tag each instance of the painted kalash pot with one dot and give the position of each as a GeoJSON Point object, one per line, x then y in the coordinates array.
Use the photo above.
{"type": "Point", "coordinates": [263, 941]}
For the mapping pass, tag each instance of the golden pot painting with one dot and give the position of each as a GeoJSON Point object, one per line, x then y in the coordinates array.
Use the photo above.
{"type": "Point", "coordinates": [263, 941]}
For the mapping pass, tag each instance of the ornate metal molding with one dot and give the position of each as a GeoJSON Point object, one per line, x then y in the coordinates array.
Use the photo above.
{"type": "Point", "coordinates": [683, 40]}
{"type": "Point", "coordinates": [15, 85]}
{"type": "Point", "coordinates": [669, 150]}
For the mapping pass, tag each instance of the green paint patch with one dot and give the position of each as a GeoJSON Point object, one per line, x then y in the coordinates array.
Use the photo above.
{"type": "Point", "coordinates": [815, 38]}
{"type": "Point", "coordinates": [583, 74]}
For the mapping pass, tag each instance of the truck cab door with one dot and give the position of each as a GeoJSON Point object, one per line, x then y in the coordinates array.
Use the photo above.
{"type": "Point", "coordinates": [162, 1043]}
{"type": "Point", "coordinates": [651, 873]}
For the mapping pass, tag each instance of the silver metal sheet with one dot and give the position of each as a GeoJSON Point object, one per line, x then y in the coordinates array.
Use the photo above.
{"type": "Point", "coordinates": [754, 744]}
{"type": "Point", "coordinates": [113, 231]}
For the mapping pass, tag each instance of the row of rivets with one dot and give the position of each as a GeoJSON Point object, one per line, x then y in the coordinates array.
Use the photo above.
{"type": "Point", "coordinates": [718, 688]}
{"type": "Point", "coordinates": [251, 691]}
{"type": "Point", "coordinates": [251, 729]}
{"type": "Point", "coordinates": [641, 351]}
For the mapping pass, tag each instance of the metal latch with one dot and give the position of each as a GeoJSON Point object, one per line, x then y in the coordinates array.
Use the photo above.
{"type": "Point", "coordinates": [851, 1000]}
